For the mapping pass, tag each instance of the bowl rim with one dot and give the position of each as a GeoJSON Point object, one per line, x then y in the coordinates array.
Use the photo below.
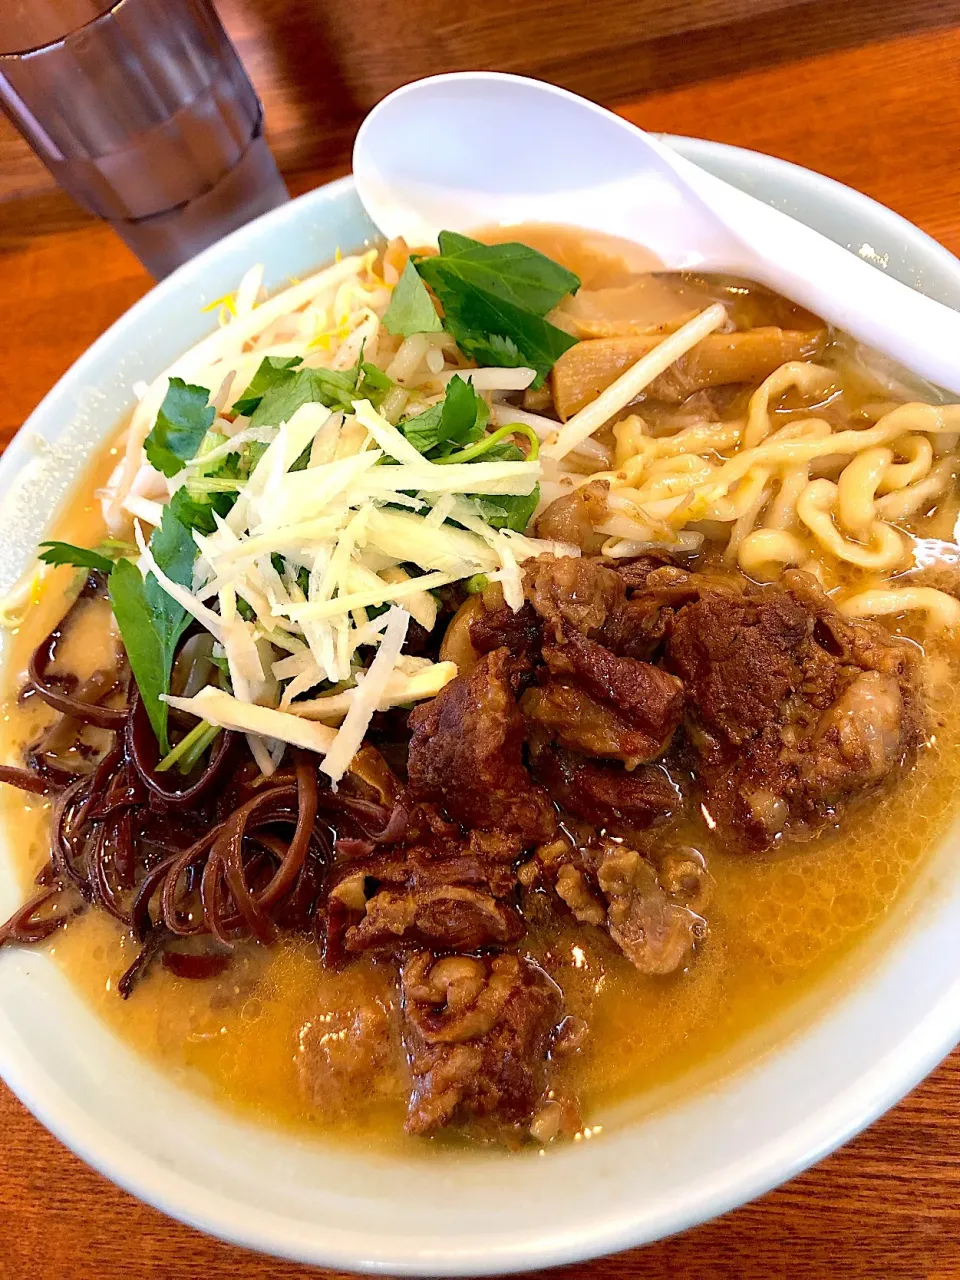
{"type": "Point", "coordinates": [915, 1056]}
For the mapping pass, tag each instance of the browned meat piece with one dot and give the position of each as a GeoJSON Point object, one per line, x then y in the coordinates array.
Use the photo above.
{"type": "Point", "coordinates": [466, 754]}
{"type": "Point", "coordinates": [638, 628]}
{"type": "Point", "coordinates": [656, 934]}
{"type": "Point", "coordinates": [657, 587]}
{"type": "Point", "coordinates": [603, 705]}
{"type": "Point", "coordinates": [496, 626]}
{"type": "Point", "coordinates": [450, 916]}
{"type": "Point", "coordinates": [606, 795]}
{"type": "Point", "coordinates": [435, 891]}
{"type": "Point", "coordinates": [579, 723]}
{"type": "Point", "coordinates": [486, 622]}
{"type": "Point", "coordinates": [737, 657]}
{"type": "Point", "coordinates": [572, 592]}
{"type": "Point", "coordinates": [648, 916]}
{"type": "Point", "coordinates": [795, 710]}
{"type": "Point", "coordinates": [636, 572]}
{"type": "Point", "coordinates": [477, 1033]}
{"type": "Point", "coordinates": [574, 517]}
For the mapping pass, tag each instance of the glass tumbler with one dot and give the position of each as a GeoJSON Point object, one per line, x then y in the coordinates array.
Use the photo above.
{"type": "Point", "coordinates": [144, 114]}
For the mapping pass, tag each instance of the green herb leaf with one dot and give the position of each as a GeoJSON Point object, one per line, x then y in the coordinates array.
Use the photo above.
{"type": "Point", "coordinates": [197, 513]}
{"type": "Point", "coordinates": [502, 511]}
{"type": "Point", "coordinates": [411, 308]}
{"type": "Point", "coordinates": [373, 384]}
{"type": "Point", "coordinates": [494, 298]}
{"type": "Point", "coordinates": [195, 503]}
{"type": "Point", "coordinates": [184, 419]}
{"type": "Point", "coordinates": [80, 557]}
{"type": "Point", "coordinates": [423, 431]}
{"type": "Point", "coordinates": [292, 387]}
{"type": "Point", "coordinates": [295, 387]}
{"type": "Point", "coordinates": [459, 419]}
{"type": "Point", "coordinates": [513, 272]}
{"type": "Point", "coordinates": [174, 550]}
{"type": "Point", "coordinates": [270, 371]}
{"type": "Point", "coordinates": [508, 512]}
{"type": "Point", "coordinates": [151, 622]}
{"type": "Point", "coordinates": [491, 330]}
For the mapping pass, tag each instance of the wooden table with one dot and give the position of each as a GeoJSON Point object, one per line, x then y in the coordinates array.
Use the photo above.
{"type": "Point", "coordinates": [884, 117]}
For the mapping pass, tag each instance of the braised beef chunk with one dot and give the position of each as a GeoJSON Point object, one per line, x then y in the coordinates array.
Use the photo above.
{"type": "Point", "coordinates": [602, 705]}
{"type": "Point", "coordinates": [636, 572]}
{"type": "Point", "coordinates": [737, 657]}
{"type": "Point", "coordinates": [450, 916]}
{"type": "Point", "coordinates": [477, 1033]}
{"type": "Point", "coordinates": [648, 912]}
{"type": "Point", "coordinates": [496, 626]}
{"type": "Point", "coordinates": [794, 709]}
{"type": "Point", "coordinates": [656, 588]}
{"type": "Point", "coordinates": [436, 890]}
{"type": "Point", "coordinates": [466, 753]}
{"type": "Point", "coordinates": [655, 933]}
{"type": "Point", "coordinates": [572, 592]}
{"type": "Point", "coordinates": [541, 783]}
{"type": "Point", "coordinates": [606, 795]}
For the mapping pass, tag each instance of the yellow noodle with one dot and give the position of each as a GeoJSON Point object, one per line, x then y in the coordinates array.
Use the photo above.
{"type": "Point", "coordinates": [918, 452]}
{"type": "Point", "coordinates": [883, 550]}
{"type": "Point", "coordinates": [803, 493]}
{"type": "Point", "coordinates": [753, 505]}
{"type": "Point", "coordinates": [807, 378]}
{"type": "Point", "coordinates": [765, 548]}
{"type": "Point", "coordinates": [907, 502]}
{"type": "Point", "coordinates": [942, 610]}
{"type": "Point", "coordinates": [782, 512]}
{"type": "Point", "coordinates": [857, 489]}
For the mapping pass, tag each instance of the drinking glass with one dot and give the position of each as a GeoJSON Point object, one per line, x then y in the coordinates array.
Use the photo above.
{"type": "Point", "coordinates": [143, 113]}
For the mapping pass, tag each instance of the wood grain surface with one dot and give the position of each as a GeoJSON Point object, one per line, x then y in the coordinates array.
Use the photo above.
{"type": "Point", "coordinates": [865, 92]}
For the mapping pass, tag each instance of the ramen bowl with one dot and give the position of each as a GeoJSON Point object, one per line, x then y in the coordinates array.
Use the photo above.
{"type": "Point", "coordinates": [718, 1137]}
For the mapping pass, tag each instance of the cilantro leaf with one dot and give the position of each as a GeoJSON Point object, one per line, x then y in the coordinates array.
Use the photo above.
{"type": "Point", "coordinates": [423, 431]}
{"type": "Point", "coordinates": [288, 392]}
{"type": "Point", "coordinates": [184, 419]}
{"type": "Point", "coordinates": [197, 513]}
{"type": "Point", "coordinates": [286, 389]}
{"type": "Point", "coordinates": [271, 367]}
{"type": "Point", "coordinates": [513, 272]}
{"type": "Point", "coordinates": [505, 512]}
{"type": "Point", "coordinates": [151, 622]}
{"type": "Point", "coordinates": [411, 308]}
{"type": "Point", "coordinates": [80, 557]}
{"type": "Point", "coordinates": [501, 351]}
{"type": "Point", "coordinates": [291, 388]}
{"type": "Point", "coordinates": [194, 507]}
{"type": "Point", "coordinates": [459, 419]}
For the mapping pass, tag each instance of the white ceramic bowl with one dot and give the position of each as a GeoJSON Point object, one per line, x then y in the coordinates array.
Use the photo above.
{"type": "Point", "coordinates": [799, 1091]}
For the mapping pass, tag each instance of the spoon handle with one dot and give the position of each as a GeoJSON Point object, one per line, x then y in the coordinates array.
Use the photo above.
{"type": "Point", "coordinates": [829, 280]}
